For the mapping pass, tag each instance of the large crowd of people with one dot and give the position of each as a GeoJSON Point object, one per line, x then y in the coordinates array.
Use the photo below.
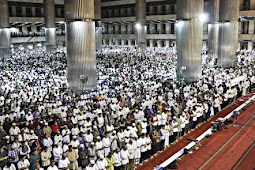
{"type": "Point", "coordinates": [138, 109]}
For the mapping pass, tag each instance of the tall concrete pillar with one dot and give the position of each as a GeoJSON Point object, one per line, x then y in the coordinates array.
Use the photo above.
{"type": "Point", "coordinates": [129, 28]}
{"type": "Point", "coordinates": [252, 2]}
{"type": "Point", "coordinates": [167, 43]}
{"type": "Point", "coordinates": [152, 28]}
{"type": "Point", "coordinates": [5, 32]}
{"type": "Point", "coordinates": [251, 27]}
{"type": "Point", "coordinates": [50, 27]}
{"type": "Point", "coordinates": [110, 28]}
{"type": "Point", "coordinates": [168, 28]}
{"type": "Point", "coordinates": [99, 35]}
{"type": "Point", "coordinates": [189, 39]}
{"type": "Point", "coordinates": [123, 28]}
{"type": "Point", "coordinates": [122, 42]}
{"type": "Point", "coordinates": [141, 24]}
{"type": "Point", "coordinates": [151, 43]}
{"type": "Point", "coordinates": [116, 29]}
{"type": "Point", "coordinates": [104, 42]}
{"type": "Point", "coordinates": [81, 45]}
{"type": "Point", "coordinates": [129, 42]}
{"type": "Point", "coordinates": [213, 29]}
{"type": "Point", "coordinates": [160, 28]}
{"type": "Point", "coordinates": [35, 47]}
{"type": "Point", "coordinates": [250, 46]}
{"type": "Point", "coordinates": [110, 42]}
{"type": "Point", "coordinates": [228, 33]}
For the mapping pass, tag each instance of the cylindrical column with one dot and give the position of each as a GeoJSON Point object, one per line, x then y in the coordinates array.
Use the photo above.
{"type": "Point", "coordinates": [189, 39]}
{"type": "Point", "coordinates": [159, 31]}
{"type": "Point", "coordinates": [99, 35]}
{"type": "Point", "coordinates": [213, 29]}
{"type": "Point", "coordinates": [129, 28]}
{"type": "Point", "coordinates": [228, 33]}
{"type": "Point", "coordinates": [250, 45]}
{"type": "Point", "coordinates": [81, 45]}
{"type": "Point", "coordinates": [213, 40]}
{"type": "Point", "coordinates": [50, 27]}
{"type": "Point", "coordinates": [122, 42]}
{"type": "Point", "coordinates": [129, 42]}
{"type": "Point", "coordinates": [5, 33]}
{"type": "Point", "coordinates": [123, 29]}
{"type": "Point", "coordinates": [159, 43]}
{"type": "Point", "coordinates": [151, 43]}
{"type": "Point", "coordinates": [167, 43]}
{"type": "Point", "coordinates": [168, 28]}
{"type": "Point", "coordinates": [141, 24]}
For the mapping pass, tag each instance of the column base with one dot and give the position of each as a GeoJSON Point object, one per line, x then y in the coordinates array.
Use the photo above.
{"type": "Point", "coordinates": [4, 52]}
{"type": "Point", "coordinates": [50, 49]}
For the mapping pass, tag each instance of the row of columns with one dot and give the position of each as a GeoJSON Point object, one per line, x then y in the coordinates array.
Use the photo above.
{"type": "Point", "coordinates": [222, 36]}
{"type": "Point", "coordinates": [81, 35]}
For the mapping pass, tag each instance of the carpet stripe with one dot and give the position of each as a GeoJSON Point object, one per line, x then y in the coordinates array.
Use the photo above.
{"type": "Point", "coordinates": [222, 147]}
{"type": "Point", "coordinates": [244, 156]}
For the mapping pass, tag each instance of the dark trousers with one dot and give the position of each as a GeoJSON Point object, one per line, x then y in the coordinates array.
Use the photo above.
{"type": "Point", "coordinates": [117, 167]}
{"type": "Point", "coordinates": [216, 110]}
{"type": "Point", "coordinates": [161, 146]}
{"type": "Point", "coordinates": [154, 149]}
{"type": "Point", "coordinates": [194, 124]}
{"type": "Point", "coordinates": [143, 156]}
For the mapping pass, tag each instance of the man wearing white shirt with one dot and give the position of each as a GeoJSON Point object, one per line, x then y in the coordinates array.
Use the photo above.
{"type": "Point", "coordinates": [99, 146]}
{"type": "Point", "coordinates": [143, 147]}
{"type": "Point", "coordinates": [64, 163]}
{"type": "Point", "coordinates": [66, 134]}
{"type": "Point", "coordinates": [57, 152]}
{"type": "Point", "coordinates": [117, 157]}
{"type": "Point", "coordinates": [102, 163]}
{"type": "Point", "coordinates": [92, 166]}
{"type": "Point", "coordinates": [124, 158]}
{"type": "Point", "coordinates": [24, 163]}
{"type": "Point", "coordinates": [14, 131]}
{"type": "Point", "coordinates": [75, 144]}
{"type": "Point", "coordinates": [88, 138]}
{"type": "Point", "coordinates": [107, 145]}
{"type": "Point", "coordinates": [58, 139]}
{"type": "Point", "coordinates": [47, 142]}
{"type": "Point", "coordinates": [52, 166]}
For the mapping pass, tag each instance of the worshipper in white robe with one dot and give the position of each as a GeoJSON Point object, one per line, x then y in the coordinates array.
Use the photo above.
{"type": "Point", "coordinates": [102, 162]}
{"type": "Point", "coordinates": [92, 166]}
{"type": "Point", "coordinates": [99, 146]}
{"type": "Point", "coordinates": [138, 144]}
{"type": "Point", "coordinates": [23, 164]}
{"type": "Point", "coordinates": [107, 144]}
{"type": "Point", "coordinates": [117, 157]}
{"type": "Point", "coordinates": [47, 142]}
{"type": "Point", "coordinates": [124, 158]}
{"type": "Point", "coordinates": [64, 163]}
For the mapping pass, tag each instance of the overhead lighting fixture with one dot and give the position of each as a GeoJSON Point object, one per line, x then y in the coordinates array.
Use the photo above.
{"type": "Point", "coordinates": [203, 18]}
{"type": "Point", "coordinates": [138, 26]}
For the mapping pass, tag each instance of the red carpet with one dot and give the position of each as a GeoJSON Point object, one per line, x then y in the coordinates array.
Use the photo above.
{"type": "Point", "coordinates": [167, 153]}
{"type": "Point", "coordinates": [249, 162]}
{"type": "Point", "coordinates": [233, 151]}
